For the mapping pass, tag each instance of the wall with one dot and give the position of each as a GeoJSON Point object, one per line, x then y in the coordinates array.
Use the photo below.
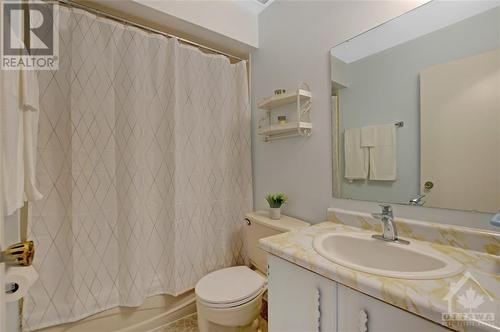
{"type": "Point", "coordinates": [384, 88]}
{"type": "Point", "coordinates": [295, 41]}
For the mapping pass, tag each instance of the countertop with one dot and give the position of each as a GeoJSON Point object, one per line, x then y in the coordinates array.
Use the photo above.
{"type": "Point", "coordinates": [426, 298]}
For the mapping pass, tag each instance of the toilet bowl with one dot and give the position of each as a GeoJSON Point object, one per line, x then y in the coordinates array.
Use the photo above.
{"type": "Point", "coordinates": [230, 299]}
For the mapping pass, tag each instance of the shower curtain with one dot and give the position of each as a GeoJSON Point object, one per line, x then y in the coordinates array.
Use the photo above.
{"type": "Point", "coordinates": [145, 166]}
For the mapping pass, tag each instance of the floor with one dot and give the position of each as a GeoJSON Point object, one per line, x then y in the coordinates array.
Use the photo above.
{"type": "Point", "coordinates": [190, 324]}
{"type": "Point", "coordinates": [187, 324]}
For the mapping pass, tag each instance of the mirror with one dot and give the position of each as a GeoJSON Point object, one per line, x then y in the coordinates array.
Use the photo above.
{"type": "Point", "coordinates": [416, 108]}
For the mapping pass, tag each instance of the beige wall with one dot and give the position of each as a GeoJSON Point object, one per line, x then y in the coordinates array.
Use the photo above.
{"type": "Point", "coordinates": [295, 41]}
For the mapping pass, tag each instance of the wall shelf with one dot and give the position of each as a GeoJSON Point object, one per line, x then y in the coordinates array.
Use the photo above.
{"type": "Point", "coordinates": [273, 102]}
{"type": "Point", "coordinates": [301, 126]}
{"type": "Point", "coordinates": [285, 128]}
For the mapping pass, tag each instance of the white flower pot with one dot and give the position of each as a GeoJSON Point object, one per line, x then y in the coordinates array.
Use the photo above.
{"type": "Point", "coordinates": [275, 213]}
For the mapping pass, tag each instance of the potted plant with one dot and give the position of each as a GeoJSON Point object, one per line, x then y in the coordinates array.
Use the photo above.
{"type": "Point", "coordinates": [275, 202]}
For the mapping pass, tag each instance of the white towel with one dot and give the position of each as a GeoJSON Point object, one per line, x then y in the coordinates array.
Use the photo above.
{"type": "Point", "coordinates": [29, 97]}
{"type": "Point", "coordinates": [355, 156]}
{"type": "Point", "coordinates": [12, 128]}
{"type": "Point", "coordinates": [368, 136]}
{"type": "Point", "coordinates": [381, 142]}
{"type": "Point", "coordinates": [19, 129]}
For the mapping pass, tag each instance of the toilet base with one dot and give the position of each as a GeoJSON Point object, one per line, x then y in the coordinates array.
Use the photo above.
{"type": "Point", "coordinates": [242, 318]}
{"type": "Point", "coordinates": [207, 326]}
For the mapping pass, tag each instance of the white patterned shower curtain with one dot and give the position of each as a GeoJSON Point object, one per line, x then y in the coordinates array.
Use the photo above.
{"type": "Point", "coordinates": [145, 166]}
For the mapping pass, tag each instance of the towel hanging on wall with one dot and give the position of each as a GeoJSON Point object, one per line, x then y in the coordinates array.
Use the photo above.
{"type": "Point", "coordinates": [355, 156]}
{"type": "Point", "coordinates": [381, 143]}
{"type": "Point", "coordinates": [19, 129]}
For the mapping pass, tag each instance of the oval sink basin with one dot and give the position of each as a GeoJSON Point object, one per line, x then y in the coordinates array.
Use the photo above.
{"type": "Point", "coordinates": [359, 251]}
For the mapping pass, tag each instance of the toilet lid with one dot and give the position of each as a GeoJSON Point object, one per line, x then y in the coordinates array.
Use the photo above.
{"type": "Point", "coordinates": [230, 285]}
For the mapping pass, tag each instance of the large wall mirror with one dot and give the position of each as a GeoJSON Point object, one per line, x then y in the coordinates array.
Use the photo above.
{"type": "Point", "coordinates": [416, 103]}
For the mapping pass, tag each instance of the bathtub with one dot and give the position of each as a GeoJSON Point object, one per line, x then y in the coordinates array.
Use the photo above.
{"type": "Point", "coordinates": [156, 312]}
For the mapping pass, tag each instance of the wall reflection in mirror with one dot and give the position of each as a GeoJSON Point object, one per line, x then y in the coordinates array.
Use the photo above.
{"type": "Point", "coordinates": [416, 108]}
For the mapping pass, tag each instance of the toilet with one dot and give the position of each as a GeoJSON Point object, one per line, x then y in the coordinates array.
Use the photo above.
{"type": "Point", "coordinates": [230, 299]}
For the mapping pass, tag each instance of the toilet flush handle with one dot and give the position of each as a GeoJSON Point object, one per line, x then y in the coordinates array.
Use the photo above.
{"type": "Point", "coordinates": [248, 221]}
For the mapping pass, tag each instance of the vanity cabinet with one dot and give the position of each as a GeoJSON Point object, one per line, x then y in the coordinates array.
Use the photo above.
{"type": "Point", "coordinates": [300, 300]}
{"type": "Point", "coordinates": [359, 312]}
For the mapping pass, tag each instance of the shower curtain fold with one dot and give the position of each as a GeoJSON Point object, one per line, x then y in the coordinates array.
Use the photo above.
{"type": "Point", "coordinates": [145, 166]}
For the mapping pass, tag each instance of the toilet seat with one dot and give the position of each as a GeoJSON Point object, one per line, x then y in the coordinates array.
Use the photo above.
{"type": "Point", "coordinates": [230, 287]}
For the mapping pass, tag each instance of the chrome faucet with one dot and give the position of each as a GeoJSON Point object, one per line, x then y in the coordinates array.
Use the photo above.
{"type": "Point", "coordinates": [417, 201]}
{"type": "Point", "coordinates": [495, 220]}
{"type": "Point", "coordinates": [389, 232]}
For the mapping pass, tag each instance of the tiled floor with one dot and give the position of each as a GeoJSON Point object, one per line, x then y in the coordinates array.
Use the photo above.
{"type": "Point", "coordinates": [190, 324]}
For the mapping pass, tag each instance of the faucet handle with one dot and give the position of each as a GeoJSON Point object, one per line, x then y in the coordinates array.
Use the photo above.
{"type": "Point", "coordinates": [386, 208]}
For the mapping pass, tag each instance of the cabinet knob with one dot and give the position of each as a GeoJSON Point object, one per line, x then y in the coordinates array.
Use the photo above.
{"type": "Point", "coordinates": [363, 321]}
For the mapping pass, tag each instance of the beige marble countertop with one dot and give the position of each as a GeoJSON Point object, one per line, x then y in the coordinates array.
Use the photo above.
{"type": "Point", "coordinates": [426, 298]}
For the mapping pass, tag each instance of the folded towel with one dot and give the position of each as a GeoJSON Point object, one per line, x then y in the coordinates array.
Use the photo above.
{"type": "Point", "coordinates": [381, 142]}
{"type": "Point", "coordinates": [355, 156]}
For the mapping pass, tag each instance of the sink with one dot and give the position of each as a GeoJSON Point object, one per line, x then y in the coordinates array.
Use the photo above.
{"type": "Point", "coordinates": [359, 251]}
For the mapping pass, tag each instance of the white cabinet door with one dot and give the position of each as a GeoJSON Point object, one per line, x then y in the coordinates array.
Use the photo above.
{"type": "Point", "coordinates": [381, 317]}
{"type": "Point", "coordinates": [299, 300]}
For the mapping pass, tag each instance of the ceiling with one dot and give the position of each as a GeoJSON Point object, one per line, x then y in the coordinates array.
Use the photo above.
{"type": "Point", "coordinates": [432, 16]}
{"type": "Point", "coordinates": [255, 6]}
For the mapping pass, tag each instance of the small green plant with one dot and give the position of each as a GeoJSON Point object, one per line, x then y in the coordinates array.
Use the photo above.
{"type": "Point", "coordinates": [276, 200]}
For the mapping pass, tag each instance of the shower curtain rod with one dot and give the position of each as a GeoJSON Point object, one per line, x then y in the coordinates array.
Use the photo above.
{"type": "Point", "coordinates": [70, 3]}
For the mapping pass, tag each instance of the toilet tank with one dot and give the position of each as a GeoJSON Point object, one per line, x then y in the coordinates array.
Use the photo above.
{"type": "Point", "coordinates": [258, 226]}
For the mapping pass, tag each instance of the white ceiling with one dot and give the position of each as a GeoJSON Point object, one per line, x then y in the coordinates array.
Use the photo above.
{"type": "Point", "coordinates": [432, 16]}
{"type": "Point", "coordinates": [255, 6]}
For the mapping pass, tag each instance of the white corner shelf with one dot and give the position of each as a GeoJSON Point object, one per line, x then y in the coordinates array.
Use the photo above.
{"type": "Point", "coordinates": [276, 101]}
{"type": "Point", "coordinates": [301, 126]}
{"type": "Point", "coordinates": [286, 128]}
